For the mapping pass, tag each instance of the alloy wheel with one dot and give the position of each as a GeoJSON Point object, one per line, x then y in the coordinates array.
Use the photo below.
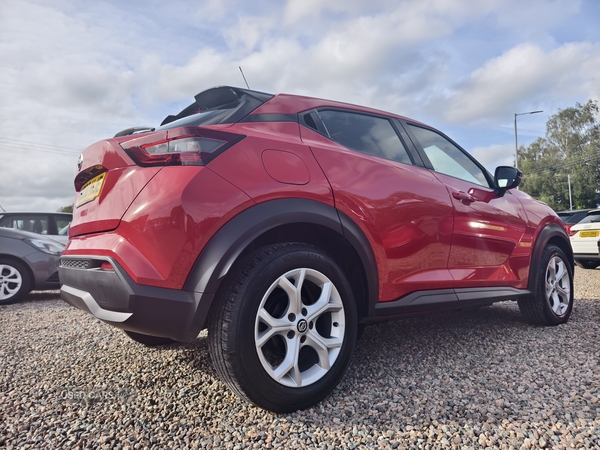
{"type": "Point", "coordinates": [299, 327]}
{"type": "Point", "coordinates": [558, 286]}
{"type": "Point", "coordinates": [10, 281]}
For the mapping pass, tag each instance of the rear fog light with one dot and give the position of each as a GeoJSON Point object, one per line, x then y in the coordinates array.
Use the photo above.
{"type": "Point", "coordinates": [106, 266]}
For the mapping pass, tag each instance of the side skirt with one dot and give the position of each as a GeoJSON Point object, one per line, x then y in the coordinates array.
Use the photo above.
{"type": "Point", "coordinates": [444, 300]}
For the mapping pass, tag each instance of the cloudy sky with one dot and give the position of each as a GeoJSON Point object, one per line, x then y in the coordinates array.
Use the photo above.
{"type": "Point", "coordinates": [73, 72]}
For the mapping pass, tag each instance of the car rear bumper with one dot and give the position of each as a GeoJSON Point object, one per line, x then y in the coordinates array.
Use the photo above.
{"type": "Point", "coordinates": [587, 256]}
{"type": "Point", "coordinates": [112, 296]}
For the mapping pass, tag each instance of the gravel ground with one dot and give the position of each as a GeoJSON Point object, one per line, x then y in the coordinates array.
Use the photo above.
{"type": "Point", "coordinates": [472, 379]}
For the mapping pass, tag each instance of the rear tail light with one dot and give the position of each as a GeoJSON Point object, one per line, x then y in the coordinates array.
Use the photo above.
{"type": "Point", "coordinates": [180, 147]}
{"type": "Point", "coordinates": [569, 232]}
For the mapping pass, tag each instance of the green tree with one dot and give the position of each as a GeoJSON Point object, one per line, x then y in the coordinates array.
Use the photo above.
{"type": "Point", "coordinates": [67, 209]}
{"type": "Point", "coordinates": [571, 147]}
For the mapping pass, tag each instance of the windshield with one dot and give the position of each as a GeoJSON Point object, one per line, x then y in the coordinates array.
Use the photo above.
{"type": "Point", "coordinates": [593, 217]}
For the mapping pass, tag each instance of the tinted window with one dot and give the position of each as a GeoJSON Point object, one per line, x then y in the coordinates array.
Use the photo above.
{"type": "Point", "coordinates": [366, 134]}
{"type": "Point", "coordinates": [591, 218]}
{"type": "Point", "coordinates": [447, 158]}
{"type": "Point", "coordinates": [62, 224]}
{"type": "Point", "coordinates": [574, 217]}
{"type": "Point", "coordinates": [199, 119]}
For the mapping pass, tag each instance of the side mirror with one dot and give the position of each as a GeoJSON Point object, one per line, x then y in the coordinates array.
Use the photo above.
{"type": "Point", "coordinates": [506, 178]}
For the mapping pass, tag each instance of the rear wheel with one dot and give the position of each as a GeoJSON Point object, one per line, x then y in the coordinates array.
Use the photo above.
{"type": "Point", "coordinates": [147, 340]}
{"type": "Point", "coordinates": [15, 281]}
{"type": "Point", "coordinates": [552, 301]}
{"type": "Point", "coordinates": [283, 331]}
{"type": "Point", "coordinates": [587, 264]}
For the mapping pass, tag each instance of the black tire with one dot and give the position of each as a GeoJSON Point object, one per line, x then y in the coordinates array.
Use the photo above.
{"type": "Point", "coordinates": [552, 301]}
{"type": "Point", "coordinates": [147, 340]}
{"type": "Point", "coordinates": [587, 264]}
{"type": "Point", "coordinates": [256, 325]}
{"type": "Point", "coordinates": [15, 281]}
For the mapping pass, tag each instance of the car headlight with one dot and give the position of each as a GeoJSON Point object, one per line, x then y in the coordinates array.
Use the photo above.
{"type": "Point", "coordinates": [45, 246]}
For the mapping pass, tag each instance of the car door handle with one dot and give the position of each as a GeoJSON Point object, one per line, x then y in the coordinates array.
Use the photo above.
{"type": "Point", "coordinates": [461, 195]}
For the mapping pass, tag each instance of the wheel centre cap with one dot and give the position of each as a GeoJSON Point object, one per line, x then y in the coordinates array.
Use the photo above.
{"type": "Point", "coordinates": [302, 326]}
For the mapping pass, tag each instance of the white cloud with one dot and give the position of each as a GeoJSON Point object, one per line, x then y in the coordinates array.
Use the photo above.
{"type": "Point", "coordinates": [494, 156]}
{"type": "Point", "coordinates": [526, 77]}
{"type": "Point", "coordinates": [72, 73]}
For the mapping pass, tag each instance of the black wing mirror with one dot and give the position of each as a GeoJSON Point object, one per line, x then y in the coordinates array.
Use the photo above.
{"type": "Point", "coordinates": [506, 178]}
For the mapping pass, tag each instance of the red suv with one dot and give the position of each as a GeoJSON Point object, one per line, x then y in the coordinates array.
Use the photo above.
{"type": "Point", "coordinates": [284, 223]}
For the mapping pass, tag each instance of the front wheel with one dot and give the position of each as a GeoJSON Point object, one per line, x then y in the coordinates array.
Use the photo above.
{"type": "Point", "coordinates": [552, 301]}
{"type": "Point", "coordinates": [15, 281]}
{"type": "Point", "coordinates": [283, 331]}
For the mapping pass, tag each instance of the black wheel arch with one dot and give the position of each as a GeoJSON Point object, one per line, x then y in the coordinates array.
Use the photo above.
{"type": "Point", "coordinates": [289, 220]}
{"type": "Point", "coordinates": [550, 234]}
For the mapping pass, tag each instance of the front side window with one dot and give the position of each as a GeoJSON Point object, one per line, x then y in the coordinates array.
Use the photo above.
{"type": "Point", "coordinates": [62, 224]}
{"type": "Point", "coordinates": [447, 158]}
{"type": "Point", "coordinates": [367, 134]}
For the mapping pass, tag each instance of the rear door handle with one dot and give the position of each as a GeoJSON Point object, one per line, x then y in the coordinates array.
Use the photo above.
{"type": "Point", "coordinates": [461, 195]}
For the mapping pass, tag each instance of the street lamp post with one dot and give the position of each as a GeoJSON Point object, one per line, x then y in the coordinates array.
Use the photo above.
{"type": "Point", "coordinates": [516, 143]}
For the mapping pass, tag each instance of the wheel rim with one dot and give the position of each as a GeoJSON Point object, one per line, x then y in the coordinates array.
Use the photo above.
{"type": "Point", "coordinates": [558, 286]}
{"type": "Point", "coordinates": [10, 281]}
{"type": "Point", "coordinates": [299, 327]}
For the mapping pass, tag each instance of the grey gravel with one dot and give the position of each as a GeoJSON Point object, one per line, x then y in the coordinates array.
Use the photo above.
{"type": "Point", "coordinates": [472, 379]}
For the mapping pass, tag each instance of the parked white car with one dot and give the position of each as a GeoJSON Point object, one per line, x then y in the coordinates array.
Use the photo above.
{"type": "Point", "coordinates": [584, 240]}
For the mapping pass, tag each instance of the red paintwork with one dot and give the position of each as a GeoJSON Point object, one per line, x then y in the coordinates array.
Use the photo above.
{"type": "Point", "coordinates": [410, 233]}
{"type": "Point", "coordinates": [487, 233]}
{"type": "Point", "coordinates": [285, 167]}
{"type": "Point", "coordinates": [124, 180]}
{"type": "Point", "coordinates": [121, 186]}
{"type": "Point", "coordinates": [243, 166]}
{"type": "Point", "coordinates": [164, 229]}
{"type": "Point", "coordinates": [155, 221]}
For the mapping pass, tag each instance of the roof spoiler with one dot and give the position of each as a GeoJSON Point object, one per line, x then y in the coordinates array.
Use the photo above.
{"type": "Point", "coordinates": [221, 97]}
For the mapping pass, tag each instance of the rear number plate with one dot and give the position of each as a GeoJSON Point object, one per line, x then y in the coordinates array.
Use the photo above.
{"type": "Point", "coordinates": [588, 233]}
{"type": "Point", "coordinates": [90, 190]}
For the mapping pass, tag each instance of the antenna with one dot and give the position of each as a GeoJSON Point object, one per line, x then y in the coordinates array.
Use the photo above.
{"type": "Point", "coordinates": [2, 208]}
{"type": "Point", "coordinates": [244, 77]}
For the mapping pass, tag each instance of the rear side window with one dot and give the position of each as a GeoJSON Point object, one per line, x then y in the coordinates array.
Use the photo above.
{"type": "Point", "coordinates": [367, 134]}
{"type": "Point", "coordinates": [28, 222]}
{"type": "Point", "coordinates": [447, 158]}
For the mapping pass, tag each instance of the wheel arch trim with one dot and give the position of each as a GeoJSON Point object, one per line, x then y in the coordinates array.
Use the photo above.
{"type": "Point", "coordinates": [225, 247]}
{"type": "Point", "coordinates": [550, 232]}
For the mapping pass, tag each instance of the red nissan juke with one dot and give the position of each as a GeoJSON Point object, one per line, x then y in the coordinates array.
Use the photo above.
{"type": "Point", "coordinates": [284, 223]}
